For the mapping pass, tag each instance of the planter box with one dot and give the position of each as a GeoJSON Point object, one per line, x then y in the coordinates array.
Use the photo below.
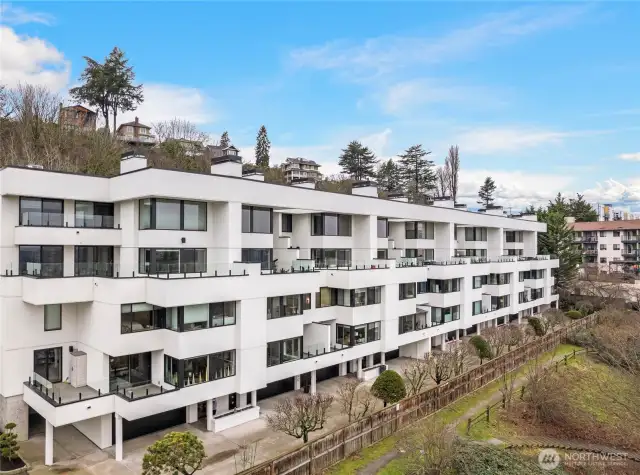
{"type": "Point", "coordinates": [15, 471]}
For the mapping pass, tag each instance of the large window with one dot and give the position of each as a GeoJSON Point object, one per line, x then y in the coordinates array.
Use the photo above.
{"type": "Point", "coordinates": [413, 322]}
{"type": "Point", "coordinates": [223, 364]}
{"type": "Point", "coordinates": [326, 297]}
{"type": "Point", "coordinates": [407, 291]}
{"type": "Point", "coordinates": [260, 256]}
{"type": "Point", "coordinates": [283, 351]}
{"type": "Point", "coordinates": [284, 306]}
{"type": "Point", "coordinates": [343, 335]}
{"type": "Point", "coordinates": [479, 281]}
{"type": "Point", "coordinates": [421, 254]}
{"type": "Point", "coordinates": [475, 234]}
{"type": "Point", "coordinates": [42, 261]}
{"type": "Point", "coordinates": [287, 223]}
{"type": "Point", "coordinates": [537, 294]}
{"type": "Point", "coordinates": [383, 227]}
{"type": "Point", "coordinates": [93, 260]}
{"type": "Point", "coordinates": [222, 313]}
{"type": "Point", "coordinates": [160, 213]}
{"type": "Point", "coordinates": [444, 315]}
{"type": "Point", "coordinates": [197, 317]}
{"type": "Point", "coordinates": [331, 257]}
{"type": "Point", "coordinates": [358, 334]}
{"type": "Point", "coordinates": [499, 279]}
{"type": "Point", "coordinates": [476, 307]}
{"type": "Point", "coordinates": [326, 224]}
{"type": "Point", "coordinates": [41, 212]}
{"type": "Point", "coordinates": [500, 302]}
{"type": "Point", "coordinates": [52, 317]}
{"type": "Point", "coordinates": [140, 317]}
{"type": "Point", "coordinates": [171, 371]}
{"type": "Point", "coordinates": [257, 220]}
{"type": "Point", "coordinates": [172, 261]}
{"type": "Point", "coordinates": [436, 286]}
{"type": "Point", "coordinates": [47, 364]}
{"type": "Point", "coordinates": [513, 236]}
{"type": "Point", "coordinates": [418, 230]}
{"type": "Point", "coordinates": [94, 215]}
{"type": "Point", "coordinates": [129, 370]}
{"type": "Point", "coordinates": [198, 370]}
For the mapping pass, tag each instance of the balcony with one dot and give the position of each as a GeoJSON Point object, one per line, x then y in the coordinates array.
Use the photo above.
{"type": "Point", "coordinates": [62, 235]}
{"type": "Point", "coordinates": [630, 238]}
{"type": "Point", "coordinates": [46, 291]}
{"type": "Point", "coordinates": [590, 252]}
{"type": "Point", "coordinates": [587, 239]}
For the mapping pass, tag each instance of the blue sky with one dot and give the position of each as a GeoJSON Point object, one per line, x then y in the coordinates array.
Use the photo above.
{"type": "Point", "coordinates": [542, 96]}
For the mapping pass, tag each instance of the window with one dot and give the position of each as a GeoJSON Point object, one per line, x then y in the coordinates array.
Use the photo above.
{"type": "Point", "coordinates": [283, 351]}
{"type": "Point", "coordinates": [331, 257]}
{"type": "Point", "coordinates": [499, 279]}
{"type": "Point", "coordinates": [603, 247]}
{"type": "Point", "coordinates": [222, 314]}
{"type": "Point", "coordinates": [537, 294]}
{"type": "Point", "coordinates": [172, 261]}
{"type": "Point", "coordinates": [93, 260]}
{"type": "Point", "coordinates": [257, 220]}
{"type": "Point", "coordinates": [422, 287]}
{"type": "Point", "coordinates": [515, 252]}
{"type": "Point", "coordinates": [94, 215]}
{"type": "Point", "coordinates": [285, 306]}
{"type": "Point", "coordinates": [421, 254]}
{"type": "Point", "coordinates": [383, 254]}
{"type": "Point", "coordinates": [522, 297]}
{"type": "Point", "coordinates": [358, 334]}
{"type": "Point", "coordinates": [383, 228]}
{"type": "Point", "coordinates": [476, 307]}
{"type": "Point", "coordinates": [41, 212]}
{"type": "Point", "coordinates": [475, 234]}
{"type": "Point", "coordinates": [326, 224]}
{"type": "Point", "coordinates": [326, 297]}
{"type": "Point", "coordinates": [436, 286]}
{"type": "Point", "coordinates": [260, 256]}
{"type": "Point", "coordinates": [413, 322]}
{"type": "Point", "coordinates": [195, 317]}
{"type": "Point", "coordinates": [287, 223]}
{"type": "Point", "coordinates": [616, 234]}
{"type": "Point", "coordinates": [171, 371]}
{"type": "Point", "coordinates": [196, 370]}
{"type": "Point", "coordinates": [407, 291]}
{"type": "Point", "coordinates": [418, 230]}
{"type": "Point", "coordinates": [474, 252]}
{"type": "Point", "coordinates": [616, 247]}
{"type": "Point", "coordinates": [343, 335]}
{"type": "Point", "coordinates": [603, 233]}
{"type": "Point", "coordinates": [129, 371]}
{"type": "Point", "coordinates": [479, 281]}
{"type": "Point", "coordinates": [444, 315]}
{"type": "Point", "coordinates": [603, 260]}
{"type": "Point", "coordinates": [41, 261]}
{"type": "Point", "coordinates": [223, 364]}
{"type": "Point", "coordinates": [500, 302]}
{"type": "Point", "coordinates": [52, 317]}
{"type": "Point", "coordinates": [140, 317]}
{"type": "Point", "coordinates": [47, 364]}
{"type": "Point", "coordinates": [513, 236]}
{"type": "Point", "coordinates": [160, 213]}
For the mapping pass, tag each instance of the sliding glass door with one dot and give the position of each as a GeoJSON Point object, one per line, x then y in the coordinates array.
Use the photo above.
{"type": "Point", "coordinates": [47, 363]}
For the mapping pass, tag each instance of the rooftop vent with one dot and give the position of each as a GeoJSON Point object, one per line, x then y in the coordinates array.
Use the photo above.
{"type": "Point", "coordinates": [230, 165]}
{"type": "Point", "coordinates": [365, 188]}
{"type": "Point", "coordinates": [131, 161]}
{"type": "Point", "coordinates": [35, 166]}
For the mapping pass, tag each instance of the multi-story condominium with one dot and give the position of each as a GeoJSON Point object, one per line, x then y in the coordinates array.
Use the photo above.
{"type": "Point", "coordinates": [610, 246]}
{"type": "Point", "coordinates": [300, 169]}
{"type": "Point", "coordinates": [129, 304]}
{"type": "Point", "coordinates": [77, 117]}
{"type": "Point", "coordinates": [136, 133]}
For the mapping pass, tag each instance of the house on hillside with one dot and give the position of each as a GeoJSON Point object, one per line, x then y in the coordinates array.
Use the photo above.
{"type": "Point", "coordinates": [77, 117]}
{"type": "Point", "coordinates": [300, 168]}
{"type": "Point", "coordinates": [135, 133]}
{"type": "Point", "coordinates": [218, 151]}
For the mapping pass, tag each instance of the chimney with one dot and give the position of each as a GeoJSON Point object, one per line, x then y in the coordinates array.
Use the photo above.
{"type": "Point", "coordinates": [137, 121]}
{"type": "Point", "coordinates": [365, 188]}
{"type": "Point", "coordinates": [131, 161]}
{"type": "Point", "coordinates": [229, 165]}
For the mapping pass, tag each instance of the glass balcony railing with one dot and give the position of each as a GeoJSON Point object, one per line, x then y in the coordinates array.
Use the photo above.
{"type": "Point", "coordinates": [97, 269]}
{"type": "Point", "coordinates": [37, 218]}
{"type": "Point", "coordinates": [95, 221]}
{"type": "Point", "coordinates": [42, 269]}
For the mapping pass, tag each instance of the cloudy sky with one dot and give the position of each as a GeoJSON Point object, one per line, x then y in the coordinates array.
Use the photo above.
{"type": "Point", "coordinates": [543, 97]}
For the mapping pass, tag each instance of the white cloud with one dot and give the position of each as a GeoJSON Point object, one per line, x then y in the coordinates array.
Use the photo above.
{"type": "Point", "coordinates": [386, 54]}
{"type": "Point", "coordinates": [491, 140]}
{"type": "Point", "coordinates": [630, 156]}
{"type": "Point", "coordinates": [12, 15]}
{"type": "Point", "coordinates": [31, 60]}
{"type": "Point", "coordinates": [614, 191]}
{"type": "Point", "coordinates": [166, 101]}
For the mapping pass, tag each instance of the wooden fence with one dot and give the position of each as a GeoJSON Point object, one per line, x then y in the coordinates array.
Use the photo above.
{"type": "Point", "coordinates": [320, 454]}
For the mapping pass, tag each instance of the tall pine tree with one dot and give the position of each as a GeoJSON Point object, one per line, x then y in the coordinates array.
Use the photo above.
{"type": "Point", "coordinates": [389, 177]}
{"type": "Point", "coordinates": [559, 240]}
{"type": "Point", "coordinates": [224, 139]}
{"type": "Point", "coordinates": [416, 172]}
{"type": "Point", "coordinates": [263, 145]}
{"type": "Point", "coordinates": [358, 161]}
{"type": "Point", "coordinates": [486, 192]}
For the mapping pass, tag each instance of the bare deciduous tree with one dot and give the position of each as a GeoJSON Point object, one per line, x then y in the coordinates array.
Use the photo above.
{"type": "Point", "coordinates": [442, 185]}
{"type": "Point", "coordinates": [498, 339]}
{"type": "Point", "coordinates": [553, 317]}
{"type": "Point", "coordinates": [515, 335]}
{"type": "Point", "coordinates": [441, 365]}
{"type": "Point", "coordinates": [428, 448]}
{"type": "Point", "coordinates": [299, 415]}
{"type": "Point", "coordinates": [416, 372]}
{"type": "Point", "coordinates": [36, 104]}
{"type": "Point", "coordinates": [452, 171]}
{"type": "Point", "coordinates": [508, 386]}
{"type": "Point", "coordinates": [462, 355]}
{"type": "Point", "coordinates": [179, 129]}
{"type": "Point", "coordinates": [356, 400]}
{"type": "Point", "coordinates": [246, 456]}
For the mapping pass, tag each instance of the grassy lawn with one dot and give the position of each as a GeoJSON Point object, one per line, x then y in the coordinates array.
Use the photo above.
{"type": "Point", "coordinates": [446, 416]}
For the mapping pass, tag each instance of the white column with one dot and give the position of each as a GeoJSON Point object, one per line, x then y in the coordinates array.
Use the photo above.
{"type": "Point", "coordinates": [369, 361]}
{"type": "Point", "coordinates": [313, 382]}
{"type": "Point", "coordinates": [464, 332]}
{"type": "Point", "coordinates": [209, 415]}
{"type": "Point", "coordinates": [254, 398]}
{"type": "Point", "coordinates": [119, 438]}
{"type": "Point", "coordinates": [342, 368]}
{"type": "Point", "coordinates": [359, 374]}
{"type": "Point", "coordinates": [478, 326]}
{"type": "Point", "coordinates": [383, 357]}
{"type": "Point", "coordinates": [296, 382]}
{"type": "Point", "coordinates": [457, 334]}
{"type": "Point", "coordinates": [443, 343]}
{"type": "Point", "coordinates": [192, 413]}
{"type": "Point", "coordinates": [519, 318]}
{"type": "Point", "coordinates": [353, 366]}
{"type": "Point", "coordinates": [48, 444]}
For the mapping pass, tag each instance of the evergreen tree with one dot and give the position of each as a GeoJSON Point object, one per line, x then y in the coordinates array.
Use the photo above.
{"type": "Point", "coordinates": [109, 86]}
{"type": "Point", "coordinates": [224, 139]}
{"type": "Point", "coordinates": [358, 161]}
{"type": "Point", "coordinates": [417, 172]}
{"type": "Point", "coordinates": [389, 177]}
{"type": "Point", "coordinates": [263, 145]}
{"type": "Point", "coordinates": [486, 192]}
{"type": "Point", "coordinates": [581, 210]}
{"type": "Point", "coordinates": [558, 240]}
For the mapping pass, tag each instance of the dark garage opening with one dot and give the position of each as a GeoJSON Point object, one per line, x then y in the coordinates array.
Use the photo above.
{"type": "Point", "coordinates": [149, 424]}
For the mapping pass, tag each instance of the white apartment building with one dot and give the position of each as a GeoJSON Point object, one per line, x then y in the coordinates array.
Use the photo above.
{"type": "Point", "coordinates": [129, 304]}
{"type": "Point", "coordinates": [610, 246]}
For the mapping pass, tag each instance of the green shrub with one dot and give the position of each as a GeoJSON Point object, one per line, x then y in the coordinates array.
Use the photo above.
{"type": "Point", "coordinates": [389, 387]}
{"type": "Point", "coordinates": [537, 326]}
{"type": "Point", "coordinates": [584, 307]}
{"type": "Point", "coordinates": [574, 314]}
{"type": "Point", "coordinates": [8, 442]}
{"type": "Point", "coordinates": [483, 349]}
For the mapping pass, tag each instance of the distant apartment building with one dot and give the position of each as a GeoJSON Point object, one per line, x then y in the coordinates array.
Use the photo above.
{"type": "Point", "coordinates": [135, 133]}
{"type": "Point", "coordinates": [296, 169]}
{"type": "Point", "coordinates": [611, 246]}
{"type": "Point", "coordinates": [78, 118]}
